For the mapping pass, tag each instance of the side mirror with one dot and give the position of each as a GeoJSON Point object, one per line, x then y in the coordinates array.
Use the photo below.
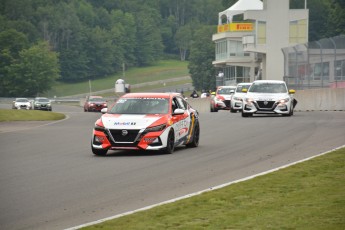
{"type": "Point", "coordinates": [178, 112]}
{"type": "Point", "coordinates": [292, 91]}
{"type": "Point", "coordinates": [244, 90]}
{"type": "Point", "coordinates": [104, 110]}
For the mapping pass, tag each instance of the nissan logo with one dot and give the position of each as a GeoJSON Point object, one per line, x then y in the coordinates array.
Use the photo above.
{"type": "Point", "coordinates": [265, 102]}
{"type": "Point", "coordinates": [124, 132]}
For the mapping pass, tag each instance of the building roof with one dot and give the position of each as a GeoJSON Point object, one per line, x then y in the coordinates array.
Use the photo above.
{"type": "Point", "coordinates": [239, 7]}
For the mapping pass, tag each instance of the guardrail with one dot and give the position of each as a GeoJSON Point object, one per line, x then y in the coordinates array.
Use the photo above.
{"type": "Point", "coordinates": [323, 99]}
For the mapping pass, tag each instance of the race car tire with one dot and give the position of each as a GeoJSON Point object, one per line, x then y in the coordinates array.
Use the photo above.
{"type": "Point", "coordinates": [170, 143]}
{"type": "Point", "coordinates": [211, 108]}
{"type": "Point", "coordinates": [99, 152]}
{"type": "Point", "coordinates": [246, 114]}
{"type": "Point", "coordinates": [232, 110]}
{"type": "Point", "coordinates": [196, 135]}
{"type": "Point", "coordinates": [289, 114]}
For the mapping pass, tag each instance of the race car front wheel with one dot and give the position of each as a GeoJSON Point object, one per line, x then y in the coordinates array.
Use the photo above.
{"type": "Point", "coordinates": [196, 134]}
{"type": "Point", "coordinates": [246, 114]}
{"type": "Point", "coordinates": [170, 143]}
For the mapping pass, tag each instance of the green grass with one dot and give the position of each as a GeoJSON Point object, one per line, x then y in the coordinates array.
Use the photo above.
{"type": "Point", "coordinates": [28, 115]}
{"type": "Point", "coordinates": [162, 70]}
{"type": "Point", "coordinates": [309, 195]}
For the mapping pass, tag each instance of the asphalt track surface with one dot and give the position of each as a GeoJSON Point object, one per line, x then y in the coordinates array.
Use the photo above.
{"type": "Point", "coordinates": [50, 179]}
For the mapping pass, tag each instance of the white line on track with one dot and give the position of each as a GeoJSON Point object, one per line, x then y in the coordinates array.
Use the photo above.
{"type": "Point", "coordinates": [200, 192]}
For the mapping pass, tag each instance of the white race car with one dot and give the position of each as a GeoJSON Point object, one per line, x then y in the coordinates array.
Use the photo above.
{"type": "Point", "coordinates": [146, 121]}
{"type": "Point", "coordinates": [237, 98]}
{"type": "Point", "coordinates": [21, 103]}
{"type": "Point", "coordinates": [268, 97]}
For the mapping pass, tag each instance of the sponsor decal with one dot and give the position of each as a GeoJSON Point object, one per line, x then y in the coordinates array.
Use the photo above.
{"type": "Point", "coordinates": [149, 139]}
{"type": "Point", "coordinates": [125, 123]}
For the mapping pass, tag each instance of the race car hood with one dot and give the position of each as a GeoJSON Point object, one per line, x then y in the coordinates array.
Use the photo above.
{"type": "Point", "coordinates": [267, 96]}
{"type": "Point", "coordinates": [22, 103]}
{"type": "Point", "coordinates": [130, 121]}
{"type": "Point", "coordinates": [226, 96]}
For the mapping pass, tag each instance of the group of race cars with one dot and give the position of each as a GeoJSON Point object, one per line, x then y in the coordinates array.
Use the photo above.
{"type": "Point", "coordinates": [39, 103]}
{"type": "Point", "coordinates": [258, 97]}
{"type": "Point", "coordinates": [163, 121]}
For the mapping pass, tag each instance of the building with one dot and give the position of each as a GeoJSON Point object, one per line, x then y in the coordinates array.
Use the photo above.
{"type": "Point", "coordinates": [251, 35]}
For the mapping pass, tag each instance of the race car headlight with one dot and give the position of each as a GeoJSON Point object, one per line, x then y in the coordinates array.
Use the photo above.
{"type": "Point", "coordinates": [156, 128]}
{"type": "Point", "coordinates": [285, 100]}
{"type": "Point", "coordinates": [249, 100]}
{"type": "Point", "coordinates": [99, 125]}
{"type": "Point", "coordinates": [238, 98]}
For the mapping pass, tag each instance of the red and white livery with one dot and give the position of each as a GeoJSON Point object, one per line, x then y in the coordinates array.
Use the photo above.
{"type": "Point", "coordinates": [146, 121]}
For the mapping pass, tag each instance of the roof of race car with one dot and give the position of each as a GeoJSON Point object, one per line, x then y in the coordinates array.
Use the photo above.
{"type": "Point", "coordinates": [245, 83]}
{"type": "Point", "coordinates": [226, 86]}
{"type": "Point", "coordinates": [268, 81]}
{"type": "Point", "coordinates": [153, 95]}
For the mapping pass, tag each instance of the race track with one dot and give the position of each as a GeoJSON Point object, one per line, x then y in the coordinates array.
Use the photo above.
{"type": "Point", "coordinates": [51, 180]}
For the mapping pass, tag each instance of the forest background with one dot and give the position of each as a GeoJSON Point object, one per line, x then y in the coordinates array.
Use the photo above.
{"type": "Point", "coordinates": [45, 41]}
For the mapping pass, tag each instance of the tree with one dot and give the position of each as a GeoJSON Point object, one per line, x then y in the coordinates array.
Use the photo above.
{"type": "Point", "coordinates": [202, 54]}
{"type": "Point", "coordinates": [149, 41]}
{"type": "Point", "coordinates": [336, 19]}
{"type": "Point", "coordinates": [33, 73]}
{"type": "Point", "coordinates": [11, 43]}
{"type": "Point", "coordinates": [183, 39]}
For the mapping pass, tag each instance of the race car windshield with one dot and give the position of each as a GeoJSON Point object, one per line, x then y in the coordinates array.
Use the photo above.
{"type": "Point", "coordinates": [43, 100]}
{"type": "Point", "coordinates": [225, 91]}
{"type": "Point", "coordinates": [268, 88]}
{"type": "Point", "coordinates": [141, 106]}
{"type": "Point", "coordinates": [240, 87]}
{"type": "Point", "coordinates": [22, 100]}
{"type": "Point", "coordinates": [97, 99]}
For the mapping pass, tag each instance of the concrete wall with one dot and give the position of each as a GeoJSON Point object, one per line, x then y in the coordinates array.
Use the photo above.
{"type": "Point", "coordinates": [321, 99]}
{"type": "Point", "coordinates": [325, 99]}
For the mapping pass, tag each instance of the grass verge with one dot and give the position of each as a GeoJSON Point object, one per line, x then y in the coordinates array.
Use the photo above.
{"type": "Point", "coordinates": [162, 70]}
{"type": "Point", "coordinates": [28, 115]}
{"type": "Point", "coordinates": [309, 195]}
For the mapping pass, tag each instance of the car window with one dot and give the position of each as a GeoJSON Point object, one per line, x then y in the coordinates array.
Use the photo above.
{"type": "Point", "coordinates": [174, 105]}
{"type": "Point", "coordinates": [240, 87]}
{"type": "Point", "coordinates": [43, 100]}
{"type": "Point", "coordinates": [268, 88]}
{"type": "Point", "coordinates": [224, 91]}
{"type": "Point", "coordinates": [22, 100]}
{"type": "Point", "coordinates": [182, 103]}
{"type": "Point", "coordinates": [141, 106]}
{"type": "Point", "coordinates": [97, 99]}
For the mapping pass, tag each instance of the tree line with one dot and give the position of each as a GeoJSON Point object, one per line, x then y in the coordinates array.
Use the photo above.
{"type": "Point", "coordinates": [42, 41]}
